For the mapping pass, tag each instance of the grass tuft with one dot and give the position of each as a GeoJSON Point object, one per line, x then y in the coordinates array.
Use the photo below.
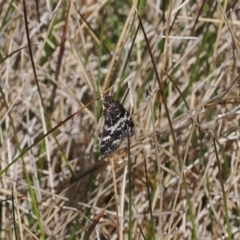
{"type": "Point", "coordinates": [175, 67]}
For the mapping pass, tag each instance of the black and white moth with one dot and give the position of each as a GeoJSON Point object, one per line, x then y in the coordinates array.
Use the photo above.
{"type": "Point", "coordinates": [118, 124]}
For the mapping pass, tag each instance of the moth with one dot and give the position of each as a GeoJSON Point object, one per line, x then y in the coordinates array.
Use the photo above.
{"type": "Point", "coordinates": [118, 124]}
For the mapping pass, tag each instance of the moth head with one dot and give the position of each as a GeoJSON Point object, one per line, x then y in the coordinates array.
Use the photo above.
{"type": "Point", "coordinates": [108, 100]}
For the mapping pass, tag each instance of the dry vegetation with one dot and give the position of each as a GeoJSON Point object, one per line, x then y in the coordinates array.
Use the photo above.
{"type": "Point", "coordinates": [181, 86]}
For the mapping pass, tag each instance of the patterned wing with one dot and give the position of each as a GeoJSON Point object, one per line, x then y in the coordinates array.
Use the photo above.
{"type": "Point", "coordinates": [128, 129]}
{"type": "Point", "coordinates": [118, 124]}
{"type": "Point", "coordinates": [113, 134]}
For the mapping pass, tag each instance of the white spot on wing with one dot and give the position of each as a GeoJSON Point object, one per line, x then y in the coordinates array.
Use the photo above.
{"type": "Point", "coordinates": [106, 138]}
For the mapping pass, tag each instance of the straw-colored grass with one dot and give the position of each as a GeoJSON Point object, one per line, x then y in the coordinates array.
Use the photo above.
{"type": "Point", "coordinates": [175, 67]}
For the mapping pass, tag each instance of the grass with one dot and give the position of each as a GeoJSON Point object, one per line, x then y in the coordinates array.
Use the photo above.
{"type": "Point", "coordinates": [174, 66]}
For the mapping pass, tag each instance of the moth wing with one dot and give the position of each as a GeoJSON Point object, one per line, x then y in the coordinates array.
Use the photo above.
{"type": "Point", "coordinates": [110, 143]}
{"type": "Point", "coordinates": [128, 129]}
{"type": "Point", "coordinates": [113, 131]}
{"type": "Point", "coordinates": [118, 124]}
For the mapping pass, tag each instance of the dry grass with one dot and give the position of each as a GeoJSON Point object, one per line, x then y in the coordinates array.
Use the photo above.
{"type": "Point", "coordinates": [184, 156]}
